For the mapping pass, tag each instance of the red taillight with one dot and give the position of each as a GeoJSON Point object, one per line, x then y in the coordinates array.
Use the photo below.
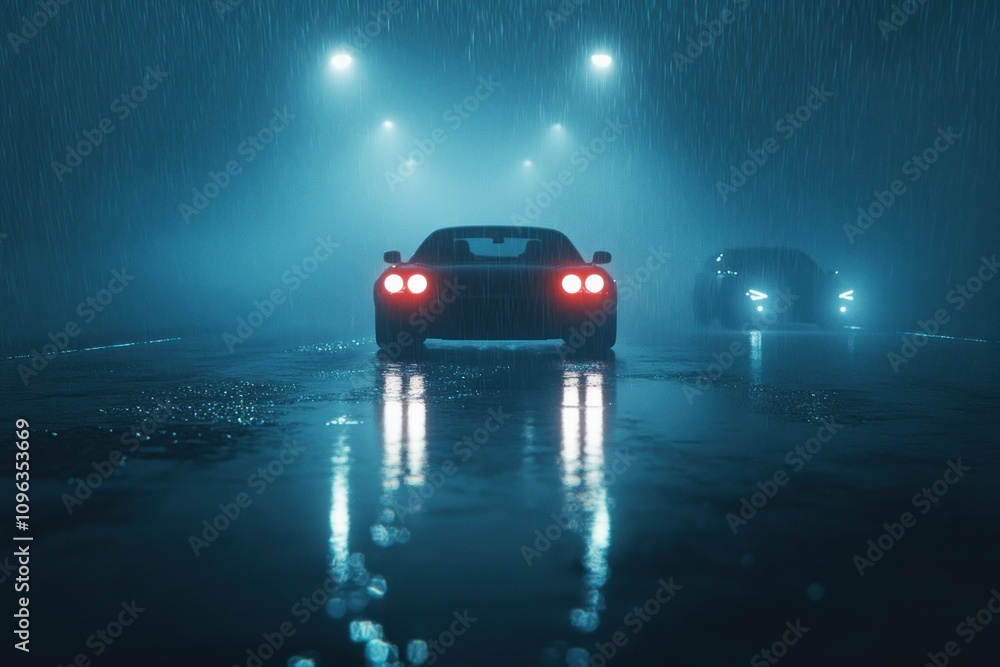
{"type": "Point", "coordinates": [406, 283]}
{"type": "Point", "coordinates": [393, 283]}
{"type": "Point", "coordinates": [594, 283]}
{"type": "Point", "coordinates": [572, 283]}
{"type": "Point", "coordinates": [416, 283]}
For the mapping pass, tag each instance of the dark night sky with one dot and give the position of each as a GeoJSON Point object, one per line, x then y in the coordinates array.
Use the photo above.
{"type": "Point", "coordinates": [325, 172]}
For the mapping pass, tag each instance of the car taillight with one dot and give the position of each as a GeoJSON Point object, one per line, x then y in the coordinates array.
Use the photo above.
{"type": "Point", "coordinates": [416, 283]}
{"type": "Point", "coordinates": [572, 283]}
{"type": "Point", "coordinates": [393, 283]}
{"type": "Point", "coordinates": [594, 283]}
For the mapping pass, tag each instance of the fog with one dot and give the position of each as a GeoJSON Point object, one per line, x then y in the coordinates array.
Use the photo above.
{"type": "Point", "coordinates": [224, 148]}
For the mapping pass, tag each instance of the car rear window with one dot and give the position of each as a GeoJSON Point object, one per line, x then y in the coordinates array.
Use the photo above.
{"type": "Point", "coordinates": [486, 245]}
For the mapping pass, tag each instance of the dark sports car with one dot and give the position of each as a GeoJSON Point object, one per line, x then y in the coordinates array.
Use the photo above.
{"type": "Point", "coordinates": [496, 283]}
{"type": "Point", "coordinates": [753, 286]}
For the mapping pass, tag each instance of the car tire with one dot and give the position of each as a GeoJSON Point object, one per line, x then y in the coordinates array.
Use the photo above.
{"type": "Point", "coordinates": [702, 313]}
{"type": "Point", "coordinates": [396, 338]}
{"type": "Point", "coordinates": [603, 339]}
{"type": "Point", "coordinates": [728, 317]}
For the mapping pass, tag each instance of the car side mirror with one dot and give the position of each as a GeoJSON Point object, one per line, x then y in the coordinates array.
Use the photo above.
{"type": "Point", "coordinates": [392, 257]}
{"type": "Point", "coordinates": [602, 257]}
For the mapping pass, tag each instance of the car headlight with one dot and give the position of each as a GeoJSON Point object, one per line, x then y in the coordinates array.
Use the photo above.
{"type": "Point", "coordinates": [756, 295]}
{"type": "Point", "coordinates": [848, 295]}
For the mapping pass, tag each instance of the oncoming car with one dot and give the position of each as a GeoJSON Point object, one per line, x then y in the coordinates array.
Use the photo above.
{"type": "Point", "coordinates": [496, 283]}
{"type": "Point", "coordinates": [749, 285]}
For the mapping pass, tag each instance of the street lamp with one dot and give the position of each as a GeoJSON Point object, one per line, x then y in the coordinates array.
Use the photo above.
{"type": "Point", "coordinates": [341, 60]}
{"type": "Point", "coordinates": [601, 60]}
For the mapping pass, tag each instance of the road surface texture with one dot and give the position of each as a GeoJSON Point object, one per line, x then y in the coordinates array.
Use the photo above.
{"type": "Point", "coordinates": [722, 498]}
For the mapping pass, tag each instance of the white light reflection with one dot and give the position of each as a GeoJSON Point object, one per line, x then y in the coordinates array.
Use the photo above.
{"type": "Point", "coordinates": [585, 493]}
{"type": "Point", "coordinates": [756, 357]}
{"type": "Point", "coordinates": [404, 454]}
{"type": "Point", "coordinates": [340, 514]}
{"type": "Point", "coordinates": [416, 430]}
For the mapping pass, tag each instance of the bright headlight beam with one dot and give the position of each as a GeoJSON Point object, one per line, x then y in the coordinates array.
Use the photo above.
{"type": "Point", "coordinates": [756, 296]}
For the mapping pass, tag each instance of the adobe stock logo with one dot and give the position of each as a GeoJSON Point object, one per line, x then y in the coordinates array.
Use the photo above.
{"type": "Point", "coordinates": [914, 169]}
{"type": "Point", "coordinates": [924, 500]}
{"type": "Point", "coordinates": [455, 116]}
{"type": "Point", "coordinates": [711, 31]}
{"type": "Point", "coordinates": [87, 310]}
{"type": "Point", "coordinates": [786, 127]}
{"type": "Point", "coordinates": [31, 24]}
{"type": "Point", "coordinates": [249, 149]}
{"type": "Point", "coordinates": [121, 108]}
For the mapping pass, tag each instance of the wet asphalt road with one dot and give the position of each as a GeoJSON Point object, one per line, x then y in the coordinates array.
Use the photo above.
{"type": "Point", "coordinates": [508, 507]}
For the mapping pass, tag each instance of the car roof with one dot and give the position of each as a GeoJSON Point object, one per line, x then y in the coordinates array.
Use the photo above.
{"type": "Point", "coordinates": [764, 250]}
{"type": "Point", "coordinates": [502, 230]}
{"type": "Point", "coordinates": [437, 247]}
{"type": "Point", "coordinates": [762, 256]}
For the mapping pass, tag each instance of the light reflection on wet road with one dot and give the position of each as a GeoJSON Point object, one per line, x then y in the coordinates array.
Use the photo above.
{"type": "Point", "coordinates": [547, 500]}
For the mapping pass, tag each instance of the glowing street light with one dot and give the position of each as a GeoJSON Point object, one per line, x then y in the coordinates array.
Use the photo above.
{"type": "Point", "coordinates": [388, 125]}
{"type": "Point", "coordinates": [341, 60]}
{"type": "Point", "coordinates": [528, 164]}
{"type": "Point", "coordinates": [601, 60]}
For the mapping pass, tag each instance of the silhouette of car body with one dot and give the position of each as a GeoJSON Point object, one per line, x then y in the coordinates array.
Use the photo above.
{"type": "Point", "coordinates": [743, 285]}
{"type": "Point", "coordinates": [496, 283]}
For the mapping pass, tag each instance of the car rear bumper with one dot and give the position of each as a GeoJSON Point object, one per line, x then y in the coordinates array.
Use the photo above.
{"type": "Point", "coordinates": [507, 318]}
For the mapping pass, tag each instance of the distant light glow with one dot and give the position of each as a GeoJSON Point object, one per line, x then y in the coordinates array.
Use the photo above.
{"type": "Point", "coordinates": [594, 283]}
{"type": "Point", "coordinates": [393, 283]}
{"type": "Point", "coordinates": [557, 127]}
{"type": "Point", "coordinates": [760, 309]}
{"type": "Point", "coordinates": [601, 60]}
{"type": "Point", "coordinates": [102, 347]}
{"type": "Point", "coordinates": [927, 335]}
{"type": "Point", "coordinates": [388, 125]}
{"type": "Point", "coordinates": [843, 309]}
{"type": "Point", "coordinates": [528, 164]}
{"type": "Point", "coordinates": [848, 295]}
{"type": "Point", "coordinates": [572, 283]}
{"type": "Point", "coordinates": [416, 283]}
{"type": "Point", "coordinates": [341, 60]}
{"type": "Point", "coordinates": [756, 296]}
